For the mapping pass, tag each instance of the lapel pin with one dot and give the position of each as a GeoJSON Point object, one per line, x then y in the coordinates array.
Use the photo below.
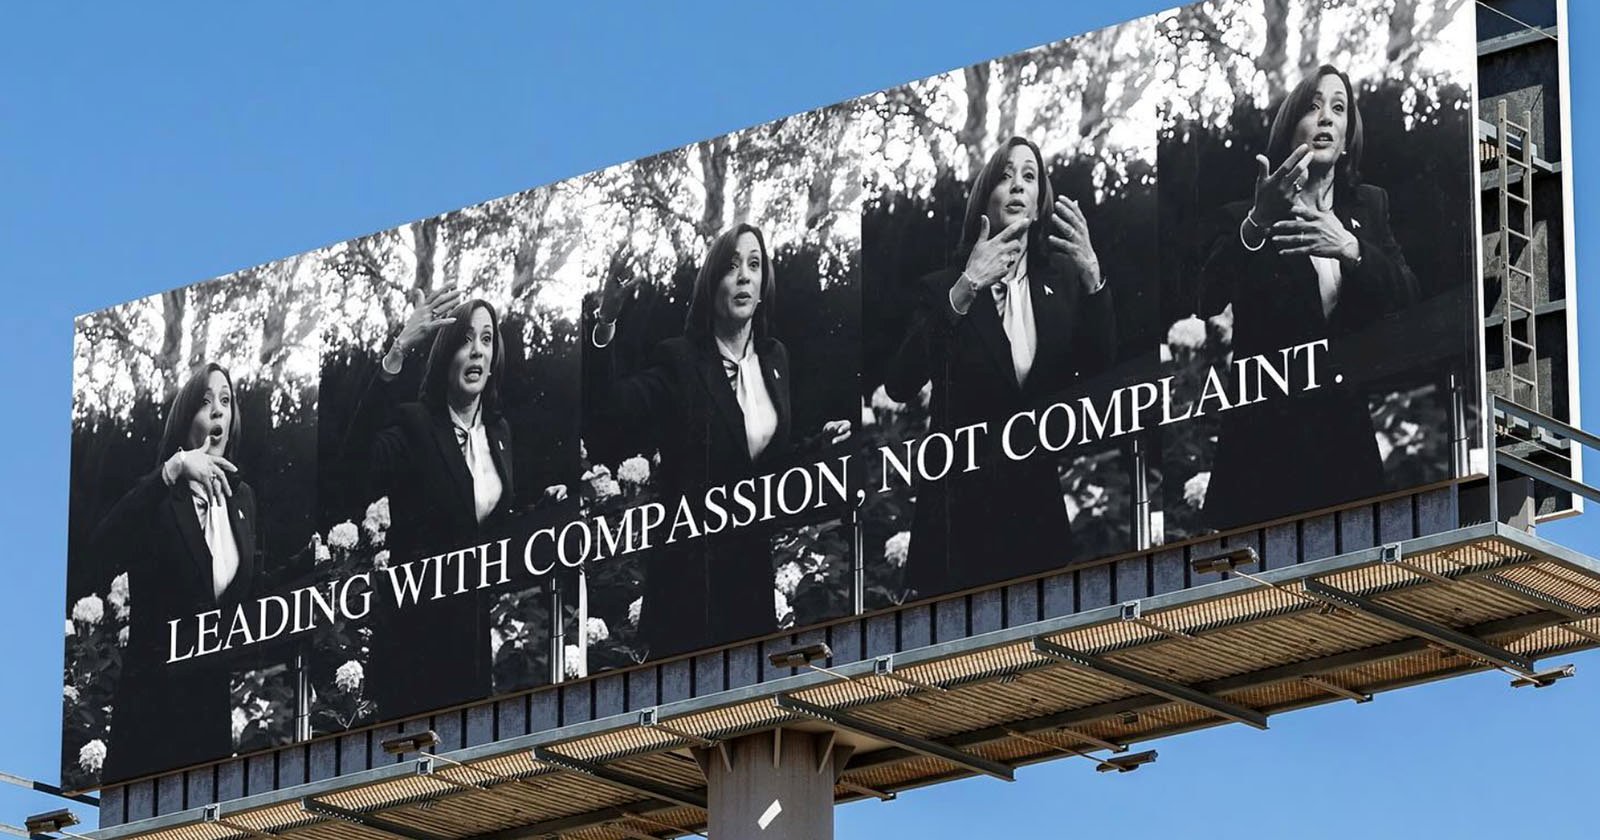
{"type": "Point", "coordinates": [1355, 223]}
{"type": "Point", "coordinates": [1049, 291]}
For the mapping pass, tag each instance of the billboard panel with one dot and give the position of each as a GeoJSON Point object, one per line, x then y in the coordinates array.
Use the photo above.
{"type": "Point", "coordinates": [1033, 313]}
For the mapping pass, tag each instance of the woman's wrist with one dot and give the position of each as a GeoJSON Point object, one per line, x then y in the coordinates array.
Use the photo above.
{"type": "Point", "coordinates": [394, 360]}
{"type": "Point", "coordinates": [962, 293]}
{"type": "Point", "coordinates": [172, 468]}
{"type": "Point", "coordinates": [1252, 235]}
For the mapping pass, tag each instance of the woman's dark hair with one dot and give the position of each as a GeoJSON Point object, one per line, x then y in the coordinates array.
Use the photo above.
{"type": "Point", "coordinates": [435, 390]}
{"type": "Point", "coordinates": [715, 266]}
{"type": "Point", "coordinates": [988, 178]}
{"type": "Point", "coordinates": [175, 434]}
{"type": "Point", "coordinates": [1296, 104]}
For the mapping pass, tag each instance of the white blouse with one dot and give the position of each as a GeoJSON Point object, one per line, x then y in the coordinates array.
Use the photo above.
{"type": "Point", "coordinates": [750, 389]}
{"type": "Point", "coordinates": [486, 484]}
{"type": "Point", "coordinates": [219, 539]}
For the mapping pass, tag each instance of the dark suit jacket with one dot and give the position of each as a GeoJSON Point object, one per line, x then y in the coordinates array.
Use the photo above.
{"type": "Point", "coordinates": [716, 589]}
{"type": "Point", "coordinates": [1316, 449]}
{"type": "Point", "coordinates": [1006, 519]}
{"type": "Point", "coordinates": [169, 716]}
{"type": "Point", "coordinates": [435, 653]}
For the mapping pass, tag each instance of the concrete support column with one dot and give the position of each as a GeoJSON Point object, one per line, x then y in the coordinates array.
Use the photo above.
{"type": "Point", "coordinates": [772, 786]}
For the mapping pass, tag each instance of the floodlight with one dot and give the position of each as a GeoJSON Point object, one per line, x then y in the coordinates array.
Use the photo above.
{"type": "Point", "coordinates": [1126, 763]}
{"type": "Point", "coordinates": [1226, 561]}
{"type": "Point", "coordinates": [1545, 679]}
{"type": "Point", "coordinates": [800, 657]}
{"type": "Point", "coordinates": [410, 742]}
{"type": "Point", "coordinates": [51, 822]}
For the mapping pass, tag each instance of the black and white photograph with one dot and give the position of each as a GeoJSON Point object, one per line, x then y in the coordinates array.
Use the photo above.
{"type": "Point", "coordinates": [193, 476]}
{"type": "Point", "coordinates": [448, 420]}
{"type": "Point", "coordinates": [1007, 264]}
{"type": "Point", "coordinates": [720, 345]}
{"type": "Point", "coordinates": [1315, 187]}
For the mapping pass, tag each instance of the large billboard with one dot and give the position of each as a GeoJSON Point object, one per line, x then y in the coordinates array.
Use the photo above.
{"type": "Point", "coordinates": [1200, 271]}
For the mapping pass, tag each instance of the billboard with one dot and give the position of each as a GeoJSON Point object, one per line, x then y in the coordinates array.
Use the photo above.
{"type": "Point", "coordinates": [1199, 271]}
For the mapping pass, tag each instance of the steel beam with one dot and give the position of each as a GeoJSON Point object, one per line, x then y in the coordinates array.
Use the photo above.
{"type": "Point", "coordinates": [1533, 597]}
{"type": "Point", "coordinates": [1139, 679]}
{"type": "Point", "coordinates": [617, 778]}
{"type": "Point", "coordinates": [312, 805]}
{"type": "Point", "coordinates": [1415, 626]}
{"type": "Point", "coordinates": [933, 749]}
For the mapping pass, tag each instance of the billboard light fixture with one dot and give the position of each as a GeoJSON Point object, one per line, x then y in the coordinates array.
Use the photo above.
{"type": "Point", "coordinates": [1227, 561]}
{"type": "Point", "coordinates": [410, 742]}
{"type": "Point", "coordinates": [1545, 679]}
{"type": "Point", "coordinates": [51, 822]}
{"type": "Point", "coordinates": [1126, 763]}
{"type": "Point", "coordinates": [1230, 561]}
{"type": "Point", "coordinates": [801, 657]}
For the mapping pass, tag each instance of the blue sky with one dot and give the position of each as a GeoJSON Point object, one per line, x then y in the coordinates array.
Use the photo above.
{"type": "Point", "coordinates": [142, 149]}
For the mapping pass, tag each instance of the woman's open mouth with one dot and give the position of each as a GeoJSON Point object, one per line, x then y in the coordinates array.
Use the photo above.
{"type": "Point", "coordinates": [1016, 207]}
{"type": "Point", "coordinates": [1322, 140]}
{"type": "Point", "coordinates": [473, 373]}
{"type": "Point", "coordinates": [743, 297]}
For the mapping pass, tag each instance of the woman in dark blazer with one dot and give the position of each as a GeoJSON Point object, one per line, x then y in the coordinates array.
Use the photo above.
{"type": "Point", "coordinates": [715, 403]}
{"type": "Point", "coordinates": [444, 460]}
{"type": "Point", "coordinates": [1310, 257]}
{"type": "Point", "coordinates": [1022, 314]}
{"type": "Point", "coordinates": [185, 535]}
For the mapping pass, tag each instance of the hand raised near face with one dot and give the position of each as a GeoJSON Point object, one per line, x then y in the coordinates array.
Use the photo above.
{"type": "Point", "coordinates": [428, 313]}
{"type": "Point", "coordinates": [1276, 190]}
{"type": "Point", "coordinates": [1070, 239]}
{"type": "Point", "coordinates": [621, 280]}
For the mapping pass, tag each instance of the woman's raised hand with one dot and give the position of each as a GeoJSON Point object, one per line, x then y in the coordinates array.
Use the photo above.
{"type": "Point", "coordinates": [1071, 240]}
{"type": "Point", "coordinates": [428, 313]}
{"type": "Point", "coordinates": [620, 283]}
{"type": "Point", "coordinates": [1276, 190]}
{"type": "Point", "coordinates": [196, 466]}
{"type": "Point", "coordinates": [992, 258]}
{"type": "Point", "coordinates": [837, 431]}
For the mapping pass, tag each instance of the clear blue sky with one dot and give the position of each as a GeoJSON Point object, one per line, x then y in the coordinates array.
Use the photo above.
{"type": "Point", "coordinates": [143, 148]}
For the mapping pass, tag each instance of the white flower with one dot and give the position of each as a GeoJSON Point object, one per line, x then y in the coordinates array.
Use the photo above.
{"type": "Point", "coordinates": [595, 630]}
{"type": "Point", "coordinates": [89, 610]}
{"type": "Point", "coordinates": [238, 722]}
{"type": "Point", "coordinates": [72, 629]}
{"type": "Point", "coordinates": [122, 637]}
{"type": "Point", "coordinates": [1187, 334]}
{"type": "Point", "coordinates": [344, 535]}
{"type": "Point", "coordinates": [349, 676]}
{"type": "Point", "coordinates": [788, 578]}
{"type": "Point", "coordinates": [1194, 490]}
{"type": "Point", "coordinates": [375, 534]}
{"type": "Point", "coordinates": [926, 394]}
{"type": "Point", "coordinates": [606, 487]}
{"type": "Point", "coordinates": [572, 661]}
{"type": "Point", "coordinates": [69, 693]}
{"type": "Point", "coordinates": [378, 513]}
{"type": "Point", "coordinates": [780, 605]}
{"type": "Point", "coordinates": [381, 559]}
{"type": "Point", "coordinates": [634, 609]}
{"type": "Point", "coordinates": [868, 416]}
{"type": "Point", "coordinates": [321, 552]}
{"type": "Point", "coordinates": [896, 548]}
{"type": "Point", "coordinates": [496, 641]}
{"type": "Point", "coordinates": [92, 756]}
{"type": "Point", "coordinates": [882, 402]}
{"type": "Point", "coordinates": [583, 449]}
{"type": "Point", "coordinates": [635, 471]}
{"type": "Point", "coordinates": [118, 596]}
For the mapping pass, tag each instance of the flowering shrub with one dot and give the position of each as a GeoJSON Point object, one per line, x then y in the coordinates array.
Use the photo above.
{"type": "Point", "coordinates": [95, 642]}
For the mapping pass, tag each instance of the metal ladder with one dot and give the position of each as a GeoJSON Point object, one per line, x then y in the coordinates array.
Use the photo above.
{"type": "Point", "coordinates": [1518, 291]}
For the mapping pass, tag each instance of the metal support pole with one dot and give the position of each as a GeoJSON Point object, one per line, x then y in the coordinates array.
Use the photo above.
{"type": "Point", "coordinates": [1142, 536]}
{"type": "Point", "coordinates": [558, 635]}
{"type": "Point", "coordinates": [774, 790]}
